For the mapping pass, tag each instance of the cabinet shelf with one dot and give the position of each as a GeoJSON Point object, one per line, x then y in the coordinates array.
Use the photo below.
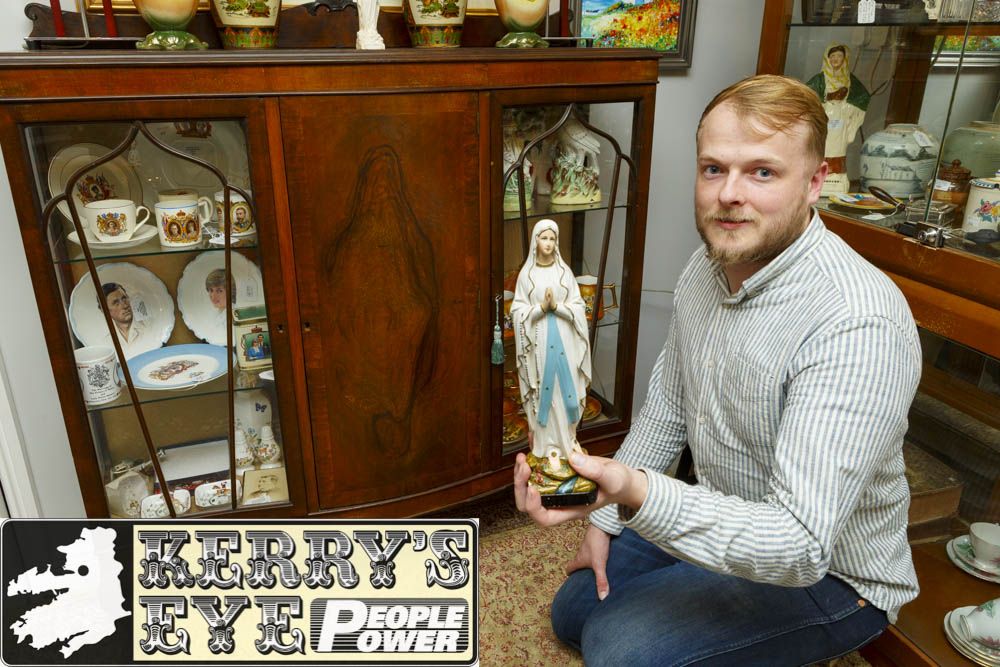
{"type": "Point", "coordinates": [544, 208]}
{"type": "Point", "coordinates": [74, 253]}
{"type": "Point", "coordinates": [245, 381]}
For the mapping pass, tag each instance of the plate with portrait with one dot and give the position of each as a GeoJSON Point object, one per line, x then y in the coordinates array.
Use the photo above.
{"type": "Point", "coordinates": [115, 179]}
{"type": "Point", "coordinates": [201, 294]}
{"type": "Point", "coordinates": [219, 142]}
{"type": "Point", "coordinates": [141, 308]}
{"type": "Point", "coordinates": [178, 366]}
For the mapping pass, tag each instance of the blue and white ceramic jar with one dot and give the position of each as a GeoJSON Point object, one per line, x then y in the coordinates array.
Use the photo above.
{"type": "Point", "coordinates": [899, 159]}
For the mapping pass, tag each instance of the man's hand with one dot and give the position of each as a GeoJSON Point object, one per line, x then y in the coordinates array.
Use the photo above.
{"type": "Point", "coordinates": [593, 553]}
{"type": "Point", "coordinates": [616, 483]}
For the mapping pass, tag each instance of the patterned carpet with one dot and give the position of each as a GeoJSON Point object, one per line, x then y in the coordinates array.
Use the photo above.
{"type": "Point", "coordinates": [520, 571]}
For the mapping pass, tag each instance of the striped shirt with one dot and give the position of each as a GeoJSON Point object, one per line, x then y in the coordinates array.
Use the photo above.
{"type": "Point", "coordinates": [793, 395]}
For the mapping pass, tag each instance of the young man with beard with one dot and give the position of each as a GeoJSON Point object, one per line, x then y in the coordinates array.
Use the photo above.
{"type": "Point", "coordinates": [788, 369]}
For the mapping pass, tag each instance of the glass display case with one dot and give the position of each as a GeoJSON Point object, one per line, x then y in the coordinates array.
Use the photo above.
{"type": "Point", "coordinates": [134, 216]}
{"type": "Point", "coordinates": [911, 90]}
{"type": "Point", "coordinates": [575, 163]}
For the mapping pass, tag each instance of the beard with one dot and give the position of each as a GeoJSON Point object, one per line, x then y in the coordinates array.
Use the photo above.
{"type": "Point", "coordinates": [729, 247]}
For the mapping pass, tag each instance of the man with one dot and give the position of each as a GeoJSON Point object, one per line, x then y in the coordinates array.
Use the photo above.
{"type": "Point", "coordinates": [131, 334]}
{"type": "Point", "coordinates": [788, 369]}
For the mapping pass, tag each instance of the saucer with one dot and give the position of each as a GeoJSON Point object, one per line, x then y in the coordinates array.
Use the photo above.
{"type": "Point", "coordinates": [973, 650]}
{"type": "Point", "coordinates": [959, 550]}
{"type": "Point", "coordinates": [141, 235]}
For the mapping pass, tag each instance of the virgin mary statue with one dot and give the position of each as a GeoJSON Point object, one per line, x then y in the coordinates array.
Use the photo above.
{"type": "Point", "coordinates": [553, 362]}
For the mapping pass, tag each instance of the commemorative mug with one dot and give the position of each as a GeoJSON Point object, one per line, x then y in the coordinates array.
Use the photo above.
{"type": "Point", "coordinates": [240, 213]}
{"type": "Point", "coordinates": [179, 221]}
{"type": "Point", "coordinates": [982, 209]}
{"type": "Point", "coordinates": [97, 367]}
{"type": "Point", "coordinates": [113, 219]}
{"type": "Point", "coordinates": [588, 290]}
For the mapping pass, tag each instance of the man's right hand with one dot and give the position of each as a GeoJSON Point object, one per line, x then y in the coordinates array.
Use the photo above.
{"type": "Point", "coordinates": [593, 553]}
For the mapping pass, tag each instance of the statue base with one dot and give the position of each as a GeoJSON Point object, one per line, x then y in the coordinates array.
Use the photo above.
{"type": "Point", "coordinates": [558, 483]}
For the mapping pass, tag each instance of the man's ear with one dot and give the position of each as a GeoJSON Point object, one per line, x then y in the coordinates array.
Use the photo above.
{"type": "Point", "coordinates": [816, 181]}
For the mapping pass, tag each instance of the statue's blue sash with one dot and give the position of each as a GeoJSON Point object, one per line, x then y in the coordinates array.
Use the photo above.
{"type": "Point", "coordinates": [556, 365]}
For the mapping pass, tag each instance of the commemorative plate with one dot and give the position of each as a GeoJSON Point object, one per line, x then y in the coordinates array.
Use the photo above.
{"type": "Point", "coordinates": [145, 324]}
{"type": "Point", "coordinates": [207, 318]}
{"type": "Point", "coordinates": [177, 366]}
{"type": "Point", "coordinates": [112, 180]}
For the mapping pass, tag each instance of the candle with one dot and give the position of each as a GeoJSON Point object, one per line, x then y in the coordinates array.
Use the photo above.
{"type": "Point", "coordinates": [109, 19]}
{"type": "Point", "coordinates": [57, 18]}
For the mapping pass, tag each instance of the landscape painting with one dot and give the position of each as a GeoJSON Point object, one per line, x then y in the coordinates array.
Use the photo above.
{"type": "Point", "coordinates": [664, 25]}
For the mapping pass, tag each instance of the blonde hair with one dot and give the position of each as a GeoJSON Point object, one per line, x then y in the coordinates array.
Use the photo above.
{"type": "Point", "coordinates": [777, 103]}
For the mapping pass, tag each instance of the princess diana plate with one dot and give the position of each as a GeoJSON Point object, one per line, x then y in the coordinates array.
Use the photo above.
{"type": "Point", "coordinates": [143, 234]}
{"type": "Point", "coordinates": [220, 143]}
{"type": "Point", "coordinates": [178, 366]}
{"type": "Point", "coordinates": [112, 180]}
{"type": "Point", "coordinates": [151, 307]}
{"type": "Point", "coordinates": [202, 317]}
{"type": "Point", "coordinates": [861, 202]}
{"type": "Point", "coordinates": [959, 550]}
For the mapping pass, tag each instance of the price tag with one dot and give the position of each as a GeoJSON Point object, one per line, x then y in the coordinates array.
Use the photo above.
{"type": "Point", "coordinates": [943, 185]}
{"type": "Point", "coordinates": [922, 139]}
{"type": "Point", "coordinates": [866, 11]}
{"type": "Point", "coordinates": [835, 124]}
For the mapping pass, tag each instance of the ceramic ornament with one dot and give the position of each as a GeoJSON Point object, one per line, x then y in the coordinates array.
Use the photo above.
{"type": "Point", "coordinates": [368, 37]}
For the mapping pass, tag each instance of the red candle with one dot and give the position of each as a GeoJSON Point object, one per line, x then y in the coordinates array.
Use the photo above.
{"type": "Point", "coordinates": [57, 19]}
{"type": "Point", "coordinates": [109, 19]}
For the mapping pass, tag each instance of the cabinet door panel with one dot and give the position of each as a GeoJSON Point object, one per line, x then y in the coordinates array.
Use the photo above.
{"type": "Point", "coordinates": [383, 195]}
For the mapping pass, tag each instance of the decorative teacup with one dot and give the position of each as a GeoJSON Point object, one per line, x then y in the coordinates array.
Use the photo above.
{"type": "Point", "coordinates": [982, 624]}
{"type": "Point", "coordinates": [179, 221]}
{"type": "Point", "coordinates": [113, 219]}
{"type": "Point", "coordinates": [588, 290]}
{"type": "Point", "coordinates": [985, 540]}
{"type": "Point", "coordinates": [98, 370]}
{"type": "Point", "coordinates": [155, 506]}
{"type": "Point", "coordinates": [240, 213]}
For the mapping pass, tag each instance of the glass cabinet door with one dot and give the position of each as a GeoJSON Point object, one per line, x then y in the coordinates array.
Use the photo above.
{"type": "Point", "coordinates": [153, 222]}
{"type": "Point", "coordinates": [570, 177]}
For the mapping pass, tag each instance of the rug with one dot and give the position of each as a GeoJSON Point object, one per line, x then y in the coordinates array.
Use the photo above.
{"type": "Point", "coordinates": [521, 568]}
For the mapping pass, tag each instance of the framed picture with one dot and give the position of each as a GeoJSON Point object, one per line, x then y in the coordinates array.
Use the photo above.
{"type": "Point", "coordinates": [253, 344]}
{"type": "Point", "coordinates": [664, 25]}
{"type": "Point", "coordinates": [127, 6]}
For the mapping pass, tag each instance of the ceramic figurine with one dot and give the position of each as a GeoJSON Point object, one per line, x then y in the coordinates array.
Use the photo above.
{"type": "Point", "coordinates": [513, 144]}
{"type": "Point", "coordinates": [845, 100]}
{"type": "Point", "coordinates": [268, 450]}
{"type": "Point", "coordinates": [168, 19]}
{"type": "Point", "coordinates": [553, 366]}
{"type": "Point", "coordinates": [575, 170]}
{"type": "Point", "coordinates": [900, 159]}
{"type": "Point", "coordinates": [368, 37]}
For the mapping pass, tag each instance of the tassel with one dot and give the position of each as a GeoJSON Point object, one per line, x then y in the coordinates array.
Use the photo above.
{"type": "Point", "coordinates": [496, 354]}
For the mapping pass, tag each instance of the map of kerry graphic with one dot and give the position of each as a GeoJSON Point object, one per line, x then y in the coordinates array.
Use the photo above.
{"type": "Point", "coordinates": [87, 602]}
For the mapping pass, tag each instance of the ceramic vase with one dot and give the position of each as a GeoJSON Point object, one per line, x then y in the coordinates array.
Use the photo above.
{"type": "Point", "coordinates": [977, 145]}
{"type": "Point", "coordinates": [243, 453]}
{"type": "Point", "coordinates": [253, 411]}
{"type": "Point", "coordinates": [247, 24]}
{"type": "Point", "coordinates": [900, 159]}
{"type": "Point", "coordinates": [268, 450]}
{"type": "Point", "coordinates": [168, 19]}
{"type": "Point", "coordinates": [434, 23]}
{"type": "Point", "coordinates": [522, 18]}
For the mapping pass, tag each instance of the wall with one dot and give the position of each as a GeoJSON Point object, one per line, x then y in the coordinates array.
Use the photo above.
{"type": "Point", "coordinates": [725, 50]}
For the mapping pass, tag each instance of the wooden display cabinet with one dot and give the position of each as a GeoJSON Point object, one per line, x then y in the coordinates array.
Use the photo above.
{"type": "Point", "coordinates": [951, 286]}
{"type": "Point", "coordinates": [381, 243]}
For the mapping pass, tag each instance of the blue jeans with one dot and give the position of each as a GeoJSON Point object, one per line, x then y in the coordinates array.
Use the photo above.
{"type": "Point", "coordinates": [667, 612]}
